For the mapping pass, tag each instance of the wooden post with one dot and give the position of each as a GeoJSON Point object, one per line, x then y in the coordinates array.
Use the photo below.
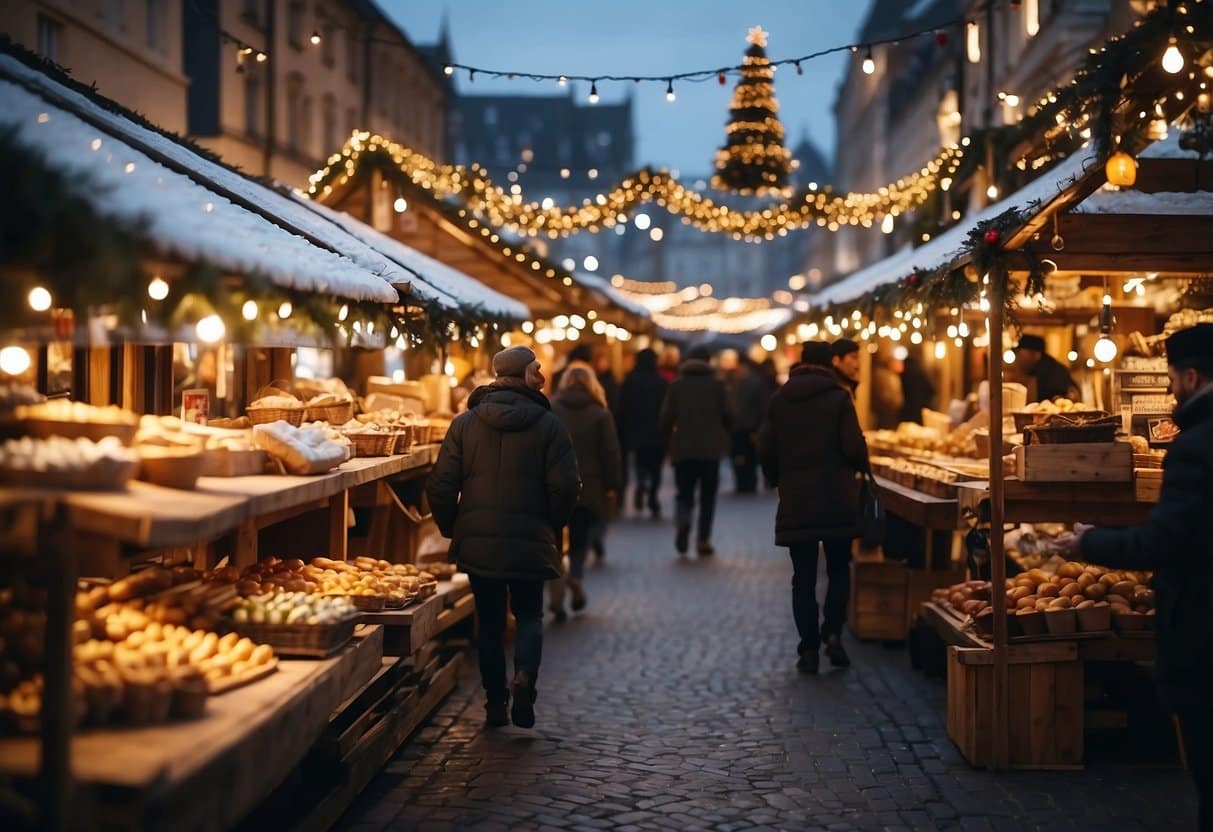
{"type": "Point", "coordinates": [339, 509]}
{"type": "Point", "coordinates": [1000, 718]}
{"type": "Point", "coordinates": [57, 722]}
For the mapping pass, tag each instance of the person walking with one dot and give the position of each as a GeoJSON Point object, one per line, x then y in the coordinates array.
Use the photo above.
{"type": "Point", "coordinates": [504, 486]}
{"type": "Point", "coordinates": [1176, 543]}
{"type": "Point", "coordinates": [580, 404]}
{"type": "Point", "coordinates": [812, 449]}
{"type": "Point", "coordinates": [747, 395]}
{"type": "Point", "coordinates": [845, 361]}
{"type": "Point", "coordinates": [639, 410]}
{"type": "Point", "coordinates": [695, 417]}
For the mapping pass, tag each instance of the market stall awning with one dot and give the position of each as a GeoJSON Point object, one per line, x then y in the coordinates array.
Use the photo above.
{"type": "Point", "coordinates": [945, 248]}
{"type": "Point", "coordinates": [435, 281]}
{"type": "Point", "coordinates": [185, 205]}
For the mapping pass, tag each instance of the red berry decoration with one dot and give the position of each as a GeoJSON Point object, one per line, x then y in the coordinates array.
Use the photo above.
{"type": "Point", "coordinates": [993, 236]}
{"type": "Point", "coordinates": [941, 38]}
{"type": "Point", "coordinates": [720, 79]}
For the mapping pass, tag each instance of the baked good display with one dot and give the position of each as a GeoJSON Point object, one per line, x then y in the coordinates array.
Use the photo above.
{"type": "Point", "coordinates": [300, 450]}
{"type": "Point", "coordinates": [59, 462]}
{"type": "Point", "coordinates": [60, 417]}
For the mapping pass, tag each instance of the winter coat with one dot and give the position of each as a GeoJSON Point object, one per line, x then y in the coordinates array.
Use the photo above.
{"type": "Point", "coordinates": [811, 447]}
{"type": "Point", "coordinates": [1176, 543]}
{"type": "Point", "coordinates": [592, 430]}
{"type": "Point", "coordinates": [505, 484]}
{"type": "Point", "coordinates": [639, 409]}
{"type": "Point", "coordinates": [748, 396]}
{"type": "Point", "coordinates": [695, 414]}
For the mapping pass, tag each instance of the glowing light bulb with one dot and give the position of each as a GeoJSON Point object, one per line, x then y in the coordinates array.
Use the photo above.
{"type": "Point", "coordinates": [593, 93]}
{"type": "Point", "coordinates": [869, 65]}
{"type": "Point", "coordinates": [770, 343]}
{"type": "Point", "coordinates": [249, 311]}
{"type": "Point", "coordinates": [157, 289]}
{"type": "Point", "coordinates": [14, 360]}
{"type": "Point", "coordinates": [669, 91]}
{"type": "Point", "coordinates": [642, 221]}
{"type": "Point", "coordinates": [210, 329]}
{"type": "Point", "coordinates": [941, 350]}
{"type": "Point", "coordinates": [886, 225]}
{"type": "Point", "coordinates": [590, 263]}
{"type": "Point", "coordinates": [992, 192]}
{"type": "Point", "coordinates": [39, 299]}
{"type": "Point", "coordinates": [448, 70]}
{"type": "Point", "coordinates": [400, 205]}
{"type": "Point", "coordinates": [284, 311]}
{"type": "Point", "coordinates": [1105, 349]}
{"type": "Point", "coordinates": [1173, 59]}
{"type": "Point", "coordinates": [343, 312]}
{"type": "Point", "coordinates": [1008, 357]}
{"type": "Point", "coordinates": [316, 42]}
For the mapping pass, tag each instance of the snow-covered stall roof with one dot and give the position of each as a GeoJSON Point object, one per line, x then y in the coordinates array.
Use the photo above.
{"type": "Point", "coordinates": [435, 280]}
{"type": "Point", "coordinates": [944, 248]}
{"type": "Point", "coordinates": [1190, 203]}
{"type": "Point", "coordinates": [157, 182]}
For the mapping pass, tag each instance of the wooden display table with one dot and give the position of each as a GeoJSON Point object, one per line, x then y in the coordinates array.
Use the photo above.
{"type": "Point", "coordinates": [1102, 504]}
{"type": "Point", "coordinates": [886, 593]}
{"type": "Point", "coordinates": [1046, 679]}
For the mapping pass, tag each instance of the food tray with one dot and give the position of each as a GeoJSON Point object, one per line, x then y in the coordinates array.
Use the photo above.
{"type": "Point", "coordinates": [171, 469]}
{"type": "Point", "coordinates": [311, 640]}
{"type": "Point", "coordinates": [221, 462]}
{"type": "Point", "coordinates": [266, 415]}
{"type": "Point", "coordinates": [232, 682]}
{"type": "Point", "coordinates": [46, 428]}
{"type": "Point", "coordinates": [112, 475]}
{"type": "Point", "coordinates": [334, 414]}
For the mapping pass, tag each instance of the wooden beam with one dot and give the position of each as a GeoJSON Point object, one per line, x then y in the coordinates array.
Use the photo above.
{"type": "Point", "coordinates": [1173, 175]}
{"type": "Point", "coordinates": [1136, 233]}
{"type": "Point", "coordinates": [1116, 263]}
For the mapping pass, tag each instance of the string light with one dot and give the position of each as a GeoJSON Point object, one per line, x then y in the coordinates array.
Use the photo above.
{"type": "Point", "coordinates": [39, 299]}
{"type": "Point", "coordinates": [1173, 59]}
{"type": "Point", "coordinates": [157, 289]}
{"type": "Point", "coordinates": [14, 360]}
{"type": "Point", "coordinates": [316, 42]}
{"type": "Point", "coordinates": [249, 310]}
{"type": "Point", "coordinates": [869, 64]}
{"type": "Point", "coordinates": [284, 311]}
{"type": "Point", "coordinates": [669, 90]}
{"type": "Point", "coordinates": [593, 93]}
{"type": "Point", "coordinates": [210, 330]}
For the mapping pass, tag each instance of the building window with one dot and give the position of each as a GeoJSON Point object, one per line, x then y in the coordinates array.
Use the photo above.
{"type": "Point", "coordinates": [50, 32]}
{"type": "Point", "coordinates": [294, 110]}
{"type": "Point", "coordinates": [329, 115]}
{"type": "Point", "coordinates": [252, 105]}
{"type": "Point", "coordinates": [351, 55]}
{"type": "Point", "coordinates": [327, 44]}
{"type": "Point", "coordinates": [155, 25]}
{"type": "Point", "coordinates": [294, 24]}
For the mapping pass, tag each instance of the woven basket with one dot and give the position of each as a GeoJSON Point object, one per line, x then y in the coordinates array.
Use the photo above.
{"type": "Point", "coordinates": [438, 429]}
{"type": "Point", "coordinates": [265, 415]}
{"type": "Point", "coordinates": [372, 443]}
{"type": "Point", "coordinates": [403, 439]}
{"type": "Point", "coordinates": [334, 414]}
{"type": "Point", "coordinates": [302, 639]}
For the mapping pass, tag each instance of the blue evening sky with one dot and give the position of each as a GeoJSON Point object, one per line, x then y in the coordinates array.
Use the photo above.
{"type": "Point", "coordinates": [652, 37]}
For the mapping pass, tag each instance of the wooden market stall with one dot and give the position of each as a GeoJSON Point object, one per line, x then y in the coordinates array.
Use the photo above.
{"type": "Point", "coordinates": [105, 727]}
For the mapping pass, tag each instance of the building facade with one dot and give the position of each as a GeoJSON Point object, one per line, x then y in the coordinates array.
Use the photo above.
{"type": "Point", "coordinates": [332, 68]}
{"type": "Point", "coordinates": [109, 43]}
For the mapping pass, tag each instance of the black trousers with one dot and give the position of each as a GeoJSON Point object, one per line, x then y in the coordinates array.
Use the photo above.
{"type": "Point", "coordinates": [1195, 714]}
{"type": "Point", "coordinates": [525, 600]}
{"type": "Point", "coordinates": [804, 590]}
{"type": "Point", "coordinates": [745, 462]}
{"type": "Point", "coordinates": [703, 474]}
{"type": "Point", "coordinates": [648, 476]}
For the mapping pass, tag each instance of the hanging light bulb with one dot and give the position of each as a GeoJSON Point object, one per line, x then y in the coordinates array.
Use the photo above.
{"type": "Point", "coordinates": [249, 311]}
{"type": "Point", "coordinates": [941, 350]}
{"type": "Point", "coordinates": [448, 70]}
{"type": "Point", "coordinates": [316, 42]}
{"type": "Point", "coordinates": [593, 92]}
{"type": "Point", "coordinates": [400, 205]}
{"type": "Point", "coordinates": [157, 289]}
{"type": "Point", "coordinates": [562, 80]}
{"type": "Point", "coordinates": [343, 312]}
{"type": "Point", "coordinates": [14, 360]}
{"type": "Point", "coordinates": [886, 225]}
{"type": "Point", "coordinates": [1105, 349]}
{"type": "Point", "coordinates": [869, 64]}
{"type": "Point", "coordinates": [210, 329]}
{"type": "Point", "coordinates": [1172, 59]}
{"type": "Point", "coordinates": [284, 310]}
{"type": "Point", "coordinates": [669, 90]}
{"type": "Point", "coordinates": [1008, 357]}
{"type": "Point", "coordinates": [39, 299]}
{"type": "Point", "coordinates": [992, 192]}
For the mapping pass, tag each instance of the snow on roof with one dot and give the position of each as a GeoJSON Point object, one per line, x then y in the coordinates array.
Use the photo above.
{"type": "Point", "coordinates": [173, 208]}
{"type": "Point", "coordinates": [944, 248]}
{"type": "Point", "coordinates": [435, 280]}
{"type": "Point", "coordinates": [1196, 203]}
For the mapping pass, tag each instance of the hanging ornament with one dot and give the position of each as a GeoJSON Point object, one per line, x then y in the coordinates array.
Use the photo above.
{"type": "Point", "coordinates": [941, 38]}
{"type": "Point", "coordinates": [993, 236]}
{"type": "Point", "coordinates": [1058, 242]}
{"type": "Point", "coordinates": [1121, 169]}
{"type": "Point", "coordinates": [911, 280]}
{"type": "Point", "coordinates": [970, 272]}
{"type": "Point", "coordinates": [720, 79]}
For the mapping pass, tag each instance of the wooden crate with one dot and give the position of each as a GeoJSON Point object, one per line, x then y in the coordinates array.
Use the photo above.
{"type": "Point", "coordinates": [1147, 484]}
{"type": "Point", "coordinates": [1088, 462]}
{"type": "Point", "coordinates": [1045, 701]}
{"type": "Point", "coordinates": [878, 600]}
{"type": "Point", "coordinates": [921, 583]}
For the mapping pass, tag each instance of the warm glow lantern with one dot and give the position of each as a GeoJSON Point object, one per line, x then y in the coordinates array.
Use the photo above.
{"type": "Point", "coordinates": [1121, 169]}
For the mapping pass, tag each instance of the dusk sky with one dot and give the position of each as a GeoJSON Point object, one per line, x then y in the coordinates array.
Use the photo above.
{"type": "Point", "coordinates": [652, 37]}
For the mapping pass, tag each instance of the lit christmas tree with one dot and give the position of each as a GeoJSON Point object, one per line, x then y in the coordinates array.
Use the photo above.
{"type": "Point", "coordinates": [754, 159]}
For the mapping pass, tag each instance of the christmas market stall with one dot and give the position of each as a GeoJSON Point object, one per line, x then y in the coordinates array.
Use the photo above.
{"type": "Point", "coordinates": [1099, 258]}
{"type": "Point", "coordinates": [186, 609]}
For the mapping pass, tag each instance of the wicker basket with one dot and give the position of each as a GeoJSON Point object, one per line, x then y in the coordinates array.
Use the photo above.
{"type": "Point", "coordinates": [404, 439]}
{"type": "Point", "coordinates": [1026, 418]}
{"type": "Point", "coordinates": [302, 639]}
{"type": "Point", "coordinates": [334, 414]}
{"type": "Point", "coordinates": [1076, 435]}
{"type": "Point", "coordinates": [438, 429]}
{"type": "Point", "coordinates": [265, 415]}
{"type": "Point", "coordinates": [372, 443]}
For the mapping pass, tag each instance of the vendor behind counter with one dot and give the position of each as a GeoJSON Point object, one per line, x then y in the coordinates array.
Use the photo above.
{"type": "Point", "coordinates": [1045, 376]}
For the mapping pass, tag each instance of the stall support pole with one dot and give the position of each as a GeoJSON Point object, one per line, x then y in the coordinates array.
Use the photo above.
{"type": "Point", "coordinates": [57, 719]}
{"type": "Point", "coordinates": [1000, 718]}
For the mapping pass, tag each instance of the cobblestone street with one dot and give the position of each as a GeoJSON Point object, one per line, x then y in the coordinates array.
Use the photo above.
{"type": "Point", "coordinates": [674, 703]}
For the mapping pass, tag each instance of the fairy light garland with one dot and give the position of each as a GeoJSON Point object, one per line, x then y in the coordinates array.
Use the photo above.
{"type": "Point", "coordinates": [472, 188]}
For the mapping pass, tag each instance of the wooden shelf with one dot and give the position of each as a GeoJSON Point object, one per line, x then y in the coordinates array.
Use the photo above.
{"type": "Point", "coordinates": [918, 508]}
{"type": "Point", "coordinates": [1102, 504]}
{"type": "Point", "coordinates": [209, 773]}
{"type": "Point", "coordinates": [151, 516]}
{"type": "Point", "coordinates": [407, 630]}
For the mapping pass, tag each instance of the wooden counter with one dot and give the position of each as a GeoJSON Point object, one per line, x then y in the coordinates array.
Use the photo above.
{"type": "Point", "coordinates": [209, 773]}
{"type": "Point", "coordinates": [918, 508]}
{"type": "Point", "coordinates": [1101, 504]}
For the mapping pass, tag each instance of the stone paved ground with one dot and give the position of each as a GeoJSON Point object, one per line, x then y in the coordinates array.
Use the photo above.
{"type": "Point", "coordinates": [673, 703]}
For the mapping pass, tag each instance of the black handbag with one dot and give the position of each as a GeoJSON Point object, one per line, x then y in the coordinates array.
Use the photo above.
{"type": "Point", "coordinates": [872, 520]}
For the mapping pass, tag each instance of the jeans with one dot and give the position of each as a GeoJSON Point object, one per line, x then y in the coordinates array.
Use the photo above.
{"type": "Point", "coordinates": [585, 527]}
{"type": "Point", "coordinates": [804, 590]}
{"type": "Point", "coordinates": [525, 599]}
{"type": "Point", "coordinates": [704, 474]}
{"type": "Point", "coordinates": [648, 477]}
{"type": "Point", "coordinates": [745, 462]}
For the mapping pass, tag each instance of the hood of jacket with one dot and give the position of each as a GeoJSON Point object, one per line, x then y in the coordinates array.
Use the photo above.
{"type": "Point", "coordinates": [1195, 410]}
{"type": "Point", "coordinates": [508, 407]}
{"type": "Point", "coordinates": [576, 399]}
{"type": "Point", "coordinates": [697, 367]}
{"type": "Point", "coordinates": [807, 380]}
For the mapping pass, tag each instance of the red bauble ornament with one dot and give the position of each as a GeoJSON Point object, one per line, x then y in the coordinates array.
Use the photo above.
{"type": "Point", "coordinates": [941, 38]}
{"type": "Point", "coordinates": [720, 79]}
{"type": "Point", "coordinates": [911, 280]}
{"type": "Point", "coordinates": [993, 236]}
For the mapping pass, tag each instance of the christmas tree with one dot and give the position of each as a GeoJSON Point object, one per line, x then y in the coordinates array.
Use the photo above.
{"type": "Point", "coordinates": [753, 159]}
